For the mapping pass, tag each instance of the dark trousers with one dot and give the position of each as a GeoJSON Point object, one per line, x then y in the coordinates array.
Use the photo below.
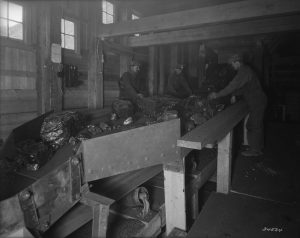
{"type": "Point", "coordinates": [255, 127]}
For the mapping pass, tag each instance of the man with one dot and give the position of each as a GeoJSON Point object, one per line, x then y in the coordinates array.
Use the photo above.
{"type": "Point", "coordinates": [246, 84]}
{"type": "Point", "coordinates": [177, 84]}
{"type": "Point", "coordinates": [130, 84]}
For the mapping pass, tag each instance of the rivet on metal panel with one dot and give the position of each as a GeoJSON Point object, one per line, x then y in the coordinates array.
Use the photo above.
{"type": "Point", "coordinates": [46, 225]}
{"type": "Point", "coordinates": [24, 195]}
{"type": "Point", "coordinates": [75, 160]}
{"type": "Point", "coordinates": [173, 146]}
{"type": "Point", "coordinates": [146, 158]}
{"type": "Point", "coordinates": [89, 171]}
{"type": "Point", "coordinates": [162, 155]}
{"type": "Point", "coordinates": [177, 152]}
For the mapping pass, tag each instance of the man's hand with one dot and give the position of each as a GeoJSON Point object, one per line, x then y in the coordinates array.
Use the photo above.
{"type": "Point", "coordinates": [139, 95]}
{"type": "Point", "coordinates": [232, 99]}
{"type": "Point", "coordinates": [212, 95]}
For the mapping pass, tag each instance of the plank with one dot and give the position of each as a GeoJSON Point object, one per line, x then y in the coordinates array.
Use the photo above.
{"type": "Point", "coordinates": [152, 71]}
{"type": "Point", "coordinates": [162, 74]}
{"type": "Point", "coordinates": [219, 31]}
{"type": "Point", "coordinates": [95, 65]}
{"type": "Point", "coordinates": [17, 82]}
{"type": "Point", "coordinates": [14, 101]}
{"type": "Point", "coordinates": [43, 55]}
{"type": "Point", "coordinates": [174, 185]}
{"type": "Point", "coordinates": [214, 129]}
{"type": "Point", "coordinates": [16, 118]}
{"type": "Point", "coordinates": [224, 164]}
{"type": "Point", "coordinates": [75, 99]}
{"type": "Point", "coordinates": [235, 11]}
{"type": "Point", "coordinates": [132, 149]}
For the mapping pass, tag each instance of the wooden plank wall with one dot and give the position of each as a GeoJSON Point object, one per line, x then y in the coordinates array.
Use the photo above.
{"type": "Point", "coordinates": [111, 77]}
{"type": "Point", "coordinates": [77, 97]}
{"type": "Point", "coordinates": [18, 94]}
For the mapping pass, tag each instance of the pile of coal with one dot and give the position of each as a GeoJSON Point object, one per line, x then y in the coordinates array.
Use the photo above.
{"type": "Point", "coordinates": [57, 128]}
{"type": "Point", "coordinates": [32, 154]}
{"type": "Point", "coordinates": [156, 106]}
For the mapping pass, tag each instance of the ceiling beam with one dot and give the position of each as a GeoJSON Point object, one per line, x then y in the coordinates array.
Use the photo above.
{"type": "Point", "coordinates": [229, 12]}
{"type": "Point", "coordinates": [254, 27]}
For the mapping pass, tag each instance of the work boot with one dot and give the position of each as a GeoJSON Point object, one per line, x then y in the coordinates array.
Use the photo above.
{"type": "Point", "coordinates": [251, 153]}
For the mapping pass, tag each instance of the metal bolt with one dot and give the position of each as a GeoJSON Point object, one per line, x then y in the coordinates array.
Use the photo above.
{"type": "Point", "coordinates": [46, 225]}
{"type": "Point", "coordinates": [146, 158]}
{"type": "Point", "coordinates": [25, 195]}
{"type": "Point", "coordinates": [75, 160]}
{"type": "Point", "coordinates": [162, 155]}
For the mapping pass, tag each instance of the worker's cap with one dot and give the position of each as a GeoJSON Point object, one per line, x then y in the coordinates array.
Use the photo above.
{"type": "Point", "coordinates": [179, 66]}
{"type": "Point", "coordinates": [134, 63]}
{"type": "Point", "coordinates": [234, 58]}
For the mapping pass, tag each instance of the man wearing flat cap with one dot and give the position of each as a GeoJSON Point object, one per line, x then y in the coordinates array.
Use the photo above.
{"type": "Point", "coordinates": [247, 85]}
{"type": "Point", "coordinates": [177, 84]}
{"type": "Point", "coordinates": [130, 84]}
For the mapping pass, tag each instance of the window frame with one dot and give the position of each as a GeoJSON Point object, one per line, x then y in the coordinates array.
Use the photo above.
{"type": "Point", "coordinates": [76, 36]}
{"type": "Point", "coordinates": [24, 29]}
{"type": "Point", "coordinates": [106, 13]}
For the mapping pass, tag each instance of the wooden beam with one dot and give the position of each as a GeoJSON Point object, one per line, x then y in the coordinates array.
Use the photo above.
{"type": "Point", "coordinates": [95, 66]}
{"type": "Point", "coordinates": [56, 91]}
{"type": "Point", "coordinates": [224, 164]}
{"type": "Point", "coordinates": [214, 129]}
{"type": "Point", "coordinates": [229, 12]}
{"type": "Point", "coordinates": [152, 72]}
{"type": "Point", "coordinates": [42, 57]}
{"type": "Point", "coordinates": [253, 27]}
{"type": "Point", "coordinates": [162, 73]}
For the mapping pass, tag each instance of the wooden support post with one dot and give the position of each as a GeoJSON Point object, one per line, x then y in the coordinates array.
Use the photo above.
{"type": "Point", "coordinates": [224, 164]}
{"type": "Point", "coordinates": [43, 57]}
{"type": "Point", "coordinates": [162, 74]}
{"type": "Point", "coordinates": [152, 71]}
{"type": "Point", "coordinates": [95, 67]}
{"type": "Point", "coordinates": [56, 93]}
{"type": "Point", "coordinates": [174, 180]}
{"type": "Point", "coordinates": [124, 58]}
{"type": "Point", "coordinates": [100, 206]}
{"type": "Point", "coordinates": [100, 220]}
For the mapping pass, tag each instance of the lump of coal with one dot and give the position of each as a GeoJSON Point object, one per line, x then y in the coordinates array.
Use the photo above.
{"type": "Point", "coordinates": [57, 128]}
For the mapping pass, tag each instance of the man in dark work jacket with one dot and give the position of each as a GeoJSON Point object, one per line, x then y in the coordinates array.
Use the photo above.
{"type": "Point", "coordinates": [130, 85]}
{"type": "Point", "coordinates": [177, 84]}
{"type": "Point", "coordinates": [246, 84]}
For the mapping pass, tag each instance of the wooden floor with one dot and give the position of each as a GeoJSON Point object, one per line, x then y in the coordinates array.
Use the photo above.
{"type": "Point", "coordinates": [265, 193]}
{"type": "Point", "coordinates": [239, 216]}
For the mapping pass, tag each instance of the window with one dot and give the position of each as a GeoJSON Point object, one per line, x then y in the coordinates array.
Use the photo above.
{"type": "Point", "coordinates": [107, 12]}
{"type": "Point", "coordinates": [134, 17]}
{"type": "Point", "coordinates": [11, 20]}
{"type": "Point", "coordinates": [68, 34]}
